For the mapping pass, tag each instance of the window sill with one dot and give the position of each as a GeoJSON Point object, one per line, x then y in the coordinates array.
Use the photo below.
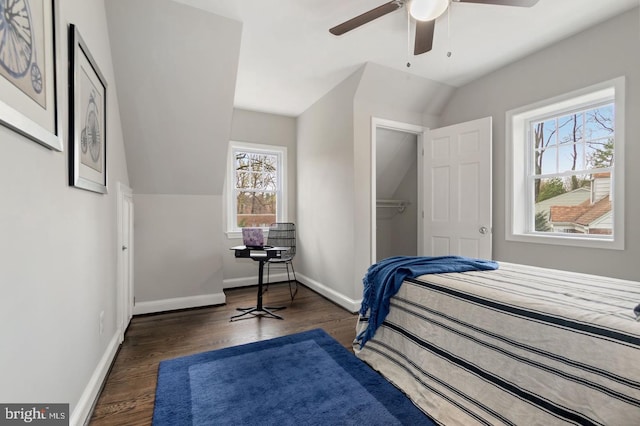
{"type": "Point", "coordinates": [568, 241]}
{"type": "Point", "coordinates": [237, 235]}
{"type": "Point", "coordinates": [233, 235]}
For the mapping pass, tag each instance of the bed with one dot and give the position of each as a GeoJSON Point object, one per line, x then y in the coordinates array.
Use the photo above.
{"type": "Point", "coordinates": [517, 346]}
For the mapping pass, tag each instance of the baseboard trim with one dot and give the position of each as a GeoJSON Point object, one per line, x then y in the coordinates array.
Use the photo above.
{"type": "Point", "coordinates": [178, 303]}
{"type": "Point", "coordinates": [338, 298]}
{"type": "Point", "coordinates": [82, 412]}
{"type": "Point", "coordinates": [247, 281]}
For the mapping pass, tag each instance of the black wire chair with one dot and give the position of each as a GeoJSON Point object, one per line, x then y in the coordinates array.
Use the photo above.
{"type": "Point", "coordinates": [283, 234]}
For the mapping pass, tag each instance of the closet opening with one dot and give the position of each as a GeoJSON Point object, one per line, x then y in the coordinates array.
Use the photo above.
{"type": "Point", "coordinates": [396, 208]}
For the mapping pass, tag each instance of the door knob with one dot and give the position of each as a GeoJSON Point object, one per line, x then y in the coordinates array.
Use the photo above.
{"type": "Point", "coordinates": [124, 248]}
{"type": "Point", "coordinates": [483, 230]}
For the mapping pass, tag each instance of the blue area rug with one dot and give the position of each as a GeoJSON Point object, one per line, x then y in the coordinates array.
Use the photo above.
{"type": "Point", "coordinates": [302, 379]}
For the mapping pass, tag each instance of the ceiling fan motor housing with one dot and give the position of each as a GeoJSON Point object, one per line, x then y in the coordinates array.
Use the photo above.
{"type": "Point", "coordinates": [427, 10]}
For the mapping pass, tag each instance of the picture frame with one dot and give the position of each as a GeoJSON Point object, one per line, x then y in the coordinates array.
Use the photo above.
{"type": "Point", "coordinates": [87, 118]}
{"type": "Point", "coordinates": [29, 71]}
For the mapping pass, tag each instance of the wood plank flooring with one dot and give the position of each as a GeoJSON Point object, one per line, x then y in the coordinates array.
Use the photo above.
{"type": "Point", "coordinates": [129, 392]}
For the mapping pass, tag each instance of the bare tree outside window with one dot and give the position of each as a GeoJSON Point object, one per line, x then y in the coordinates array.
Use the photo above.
{"type": "Point", "coordinates": [573, 158]}
{"type": "Point", "coordinates": [256, 188]}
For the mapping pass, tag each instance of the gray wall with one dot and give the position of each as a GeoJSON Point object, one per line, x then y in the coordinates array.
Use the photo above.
{"type": "Point", "coordinates": [260, 128]}
{"type": "Point", "coordinates": [397, 179]}
{"type": "Point", "coordinates": [397, 231]}
{"type": "Point", "coordinates": [334, 172]}
{"type": "Point", "coordinates": [178, 251]}
{"type": "Point", "coordinates": [176, 68]}
{"type": "Point", "coordinates": [601, 53]}
{"type": "Point", "coordinates": [58, 249]}
{"type": "Point", "coordinates": [325, 193]}
{"type": "Point", "coordinates": [393, 95]}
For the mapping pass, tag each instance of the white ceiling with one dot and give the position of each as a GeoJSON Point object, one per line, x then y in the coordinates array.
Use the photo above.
{"type": "Point", "coordinates": [288, 58]}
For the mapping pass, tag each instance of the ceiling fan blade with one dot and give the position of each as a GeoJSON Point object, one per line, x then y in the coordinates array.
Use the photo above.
{"type": "Point", "coordinates": [424, 36]}
{"type": "Point", "coordinates": [365, 17]}
{"type": "Point", "coordinates": [519, 3]}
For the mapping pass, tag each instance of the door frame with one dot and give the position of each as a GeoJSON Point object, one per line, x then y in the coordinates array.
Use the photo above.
{"type": "Point", "coordinates": [419, 131]}
{"type": "Point", "coordinates": [125, 298]}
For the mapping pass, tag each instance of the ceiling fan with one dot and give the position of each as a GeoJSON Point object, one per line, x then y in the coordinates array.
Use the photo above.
{"type": "Point", "coordinates": [424, 12]}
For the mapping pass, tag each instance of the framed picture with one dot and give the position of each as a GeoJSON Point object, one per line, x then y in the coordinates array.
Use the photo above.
{"type": "Point", "coordinates": [87, 118]}
{"type": "Point", "coordinates": [28, 92]}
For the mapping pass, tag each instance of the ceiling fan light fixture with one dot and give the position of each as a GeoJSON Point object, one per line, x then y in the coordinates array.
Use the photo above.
{"type": "Point", "coordinates": [427, 10]}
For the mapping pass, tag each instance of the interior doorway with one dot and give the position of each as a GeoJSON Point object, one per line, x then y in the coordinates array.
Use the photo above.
{"type": "Point", "coordinates": [396, 189]}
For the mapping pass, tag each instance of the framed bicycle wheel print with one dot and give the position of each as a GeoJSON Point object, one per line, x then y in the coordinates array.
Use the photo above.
{"type": "Point", "coordinates": [28, 98]}
{"type": "Point", "coordinates": [87, 118]}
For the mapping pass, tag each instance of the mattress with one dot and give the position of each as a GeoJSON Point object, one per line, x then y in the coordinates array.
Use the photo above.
{"type": "Point", "coordinates": [516, 346]}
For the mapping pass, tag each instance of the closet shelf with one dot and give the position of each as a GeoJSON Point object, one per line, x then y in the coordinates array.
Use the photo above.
{"type": "Point", "coordinates": [393, 204]}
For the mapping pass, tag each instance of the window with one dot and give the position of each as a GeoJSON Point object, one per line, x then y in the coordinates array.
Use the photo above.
{"type": "Point", "coordinates": [565, 169]}
{"type": "Point", "coordinates": [256, 186]}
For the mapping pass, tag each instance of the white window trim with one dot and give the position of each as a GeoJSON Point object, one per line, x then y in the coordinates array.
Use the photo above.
{"type": "Point", "coordinates": [232, 230]}
{"type": "Point", "coordinates": [516, 205]}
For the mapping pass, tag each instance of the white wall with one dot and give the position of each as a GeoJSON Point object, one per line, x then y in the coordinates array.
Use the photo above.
{"type": "Point", "coordinates": [606, 51]}
{"type": "Point", "coordinates": [270, 129]}
{"type": "Point", "coordinates": [58, 250]}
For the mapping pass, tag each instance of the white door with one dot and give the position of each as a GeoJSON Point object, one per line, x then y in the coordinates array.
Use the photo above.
{"type": "Point", "coordinates": [125, 258]}
{"type": "Point", "coordinates": [457, 173]}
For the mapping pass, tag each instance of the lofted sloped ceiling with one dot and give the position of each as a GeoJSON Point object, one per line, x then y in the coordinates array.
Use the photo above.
{"type": "Point", "coordinates": [381, 85]}
{"type": "Point", "coordinates": [289, 59]}
{"type": "Point", "coordinates": [175, 70]}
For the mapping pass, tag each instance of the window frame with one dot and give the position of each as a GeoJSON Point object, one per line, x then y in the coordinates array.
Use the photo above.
{"type": "Point", "coordinates": [233, 231]}
{"type": "Point", "coordinates": [519, 206]}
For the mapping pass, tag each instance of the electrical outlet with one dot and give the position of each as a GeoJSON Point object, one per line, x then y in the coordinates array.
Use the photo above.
{"type": "Point", "coordinates": [101, 322]}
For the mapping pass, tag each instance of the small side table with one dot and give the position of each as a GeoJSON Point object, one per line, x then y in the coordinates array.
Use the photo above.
{"type": "Point", "coordinates": [261, 256]}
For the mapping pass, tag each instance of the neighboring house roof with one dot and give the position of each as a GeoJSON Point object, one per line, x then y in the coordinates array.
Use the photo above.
{"type": "Point", "coordinates": [582, 214]}
{"type": "Point", "coordinates": [603, 222]}
{"type": "Point", "coordinates": [571, 198]}
{"type": "Point", "coordinates": [603, 175]}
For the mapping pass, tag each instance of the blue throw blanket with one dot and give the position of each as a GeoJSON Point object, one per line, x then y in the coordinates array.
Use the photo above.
{"type": "Point", "coordinates": [383, 280]}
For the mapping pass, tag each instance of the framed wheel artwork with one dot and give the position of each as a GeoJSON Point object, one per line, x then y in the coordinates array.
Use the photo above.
{"type": "Point", "coordinates": [28, 95]}
{"type": "Point", "coordinates": [87, 118]}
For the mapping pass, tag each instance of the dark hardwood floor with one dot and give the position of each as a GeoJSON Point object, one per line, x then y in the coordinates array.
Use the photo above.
{"type": "Point", "coordinates": [128, 394]}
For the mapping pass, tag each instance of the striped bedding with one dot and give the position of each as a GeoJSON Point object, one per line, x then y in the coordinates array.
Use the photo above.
{"type": "Point", "coordinates": [516, 346]}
